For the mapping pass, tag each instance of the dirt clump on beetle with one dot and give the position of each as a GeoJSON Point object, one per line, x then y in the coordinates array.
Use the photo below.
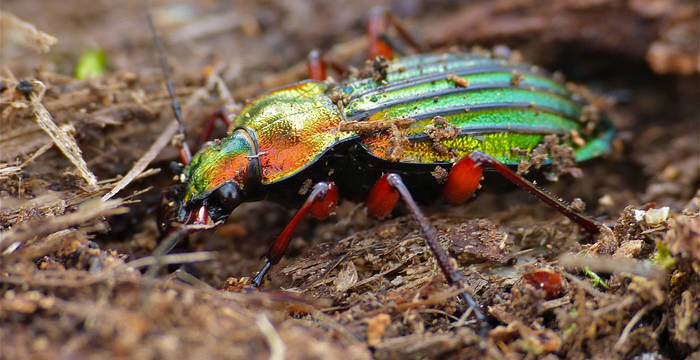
{"type": "Point", "coordinates": [74, 258]}
{"type": "Point", "coordinates": [375, 69]}
{"type": "Point", "coordinates": [555, 150]}
{"type": "Point", "coordinates": [439, 130]}
{"type": "Point", "coordinates": [367, 127]}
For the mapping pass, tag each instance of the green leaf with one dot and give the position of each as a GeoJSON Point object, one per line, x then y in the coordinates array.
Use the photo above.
{"type": "Point", "coordinates": [92, 63]}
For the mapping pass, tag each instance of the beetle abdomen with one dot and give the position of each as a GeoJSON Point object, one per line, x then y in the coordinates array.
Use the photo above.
{"type": "Point", "coordinates": [466, 102]}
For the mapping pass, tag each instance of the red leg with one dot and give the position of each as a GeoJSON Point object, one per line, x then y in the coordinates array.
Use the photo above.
{"type": "Point", "coordinates": [405, 35]}
{"type": "Point", "coordinates": [463, 181]}
{"type": "Point", "coordinates": [382, 198]}
{"type": "Point", "coordinates": [220, 115]}
{"type": "Point", "coordinates": [337, 66]}
{"type": "Point", "coordinates": [584, 221]}
{"type": "Point", "coordinates": [379, 45]}
{"type": "Point", "coordinates": [321, 203]}
{"type": "Point", "coordinates": [316, 66]}
{"type": "Point", "coordinates": [185, 153]}
{"type": "Point", "coordinates": [316, 63]}
{"type": "Point", "coordinates": [378, 25]}
{"type": "Point", "coordinates": [379, 42]}
{"type": "Point", "coordinates": [325, 206]}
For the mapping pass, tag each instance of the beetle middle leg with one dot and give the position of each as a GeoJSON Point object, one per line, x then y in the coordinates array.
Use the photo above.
{"type": "Point", "coordinates": [379, 44]}
{"type": "Point", "coordinates": [320, 203]}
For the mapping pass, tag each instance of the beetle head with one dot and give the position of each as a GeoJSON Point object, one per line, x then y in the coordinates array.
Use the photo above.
{"type": "Point", "coordinates": [213, 184]}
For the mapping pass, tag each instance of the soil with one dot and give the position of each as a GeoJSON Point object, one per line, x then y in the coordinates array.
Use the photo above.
{"type": "Point", "coordinates": [73, 267]}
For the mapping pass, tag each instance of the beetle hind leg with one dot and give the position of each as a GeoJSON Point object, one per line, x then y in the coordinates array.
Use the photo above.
{"type": "Point", "coordinates": [586, 222]}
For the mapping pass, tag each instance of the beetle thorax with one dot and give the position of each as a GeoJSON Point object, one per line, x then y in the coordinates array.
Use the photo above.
{"type": "Point", "coordinates": [219, 162]}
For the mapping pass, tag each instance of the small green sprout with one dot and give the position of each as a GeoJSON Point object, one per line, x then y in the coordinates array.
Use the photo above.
{"type": "Point", "coordinates": [92, 63]}
{"type": "Point", "coordinates": [663, 256]}
{"type": "Point", "coordinates": [597, 281]}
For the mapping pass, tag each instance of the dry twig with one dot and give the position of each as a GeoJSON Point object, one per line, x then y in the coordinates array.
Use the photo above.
{"type": "Point", "coordinates": [87, 211]}
{"type": "Point", "coordinates": [60, 136]}
{"type": "Point", "coordinates": [277, 347]}
{"type": "Point", "coordinates": [197, 256]}
{"type": "Point", "coordinates": [13, 30]}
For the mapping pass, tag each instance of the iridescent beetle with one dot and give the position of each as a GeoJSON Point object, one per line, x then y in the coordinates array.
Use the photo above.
{"type": "Point", "coordinates": [382, 137]}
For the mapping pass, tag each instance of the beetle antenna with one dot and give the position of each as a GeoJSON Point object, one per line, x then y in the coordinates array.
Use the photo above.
{"type": "Point", "coordinates": [185, 153]}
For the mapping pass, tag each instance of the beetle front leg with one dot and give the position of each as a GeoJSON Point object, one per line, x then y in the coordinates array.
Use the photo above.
{"type": "Point", "coordinates": [320, 203]}
{"type": "Point", "coordinates": [220, 115]}
{"type": "Point", "coordinates": [383, 198]}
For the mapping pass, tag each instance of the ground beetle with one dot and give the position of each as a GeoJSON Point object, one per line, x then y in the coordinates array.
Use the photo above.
{"type": "Point", "coordinates": [419, 126]}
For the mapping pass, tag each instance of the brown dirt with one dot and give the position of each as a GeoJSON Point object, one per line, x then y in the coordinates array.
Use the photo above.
{"type": "Point", "coordinates": [350, 287]}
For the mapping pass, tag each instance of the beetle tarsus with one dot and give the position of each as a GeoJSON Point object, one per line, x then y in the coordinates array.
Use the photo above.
{"type": "Point", "coordinates": [446, 263]}
{"type": "Point", "coordinates": [257, 281]}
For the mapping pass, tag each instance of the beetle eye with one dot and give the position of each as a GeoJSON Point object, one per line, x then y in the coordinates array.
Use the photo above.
{"type": "Point", "coordinates": [228, 196]}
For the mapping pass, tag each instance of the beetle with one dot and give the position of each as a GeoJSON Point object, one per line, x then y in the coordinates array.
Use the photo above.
{"type": "Point", "coordinates": [420, 125]}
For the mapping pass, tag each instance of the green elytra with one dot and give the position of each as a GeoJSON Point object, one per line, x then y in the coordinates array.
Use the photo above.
{"type": "Point", "coordinates": [499, 108]}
